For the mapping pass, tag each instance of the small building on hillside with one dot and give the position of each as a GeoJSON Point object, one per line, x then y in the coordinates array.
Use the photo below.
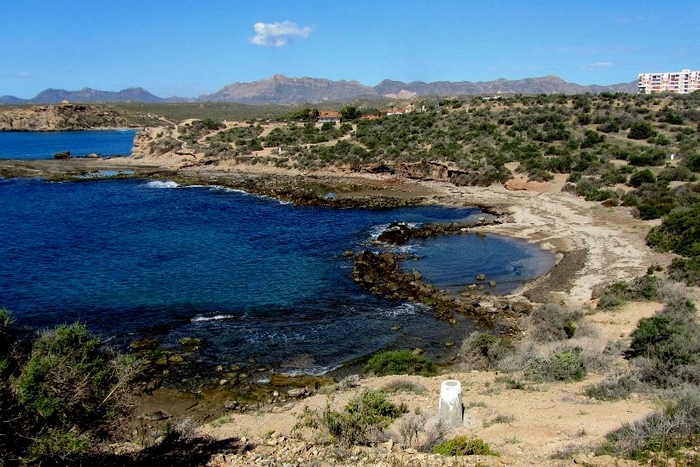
{"type": "Point", "coordinates": [328, 116]}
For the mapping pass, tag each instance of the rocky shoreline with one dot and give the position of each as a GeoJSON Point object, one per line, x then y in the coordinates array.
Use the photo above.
{"type": "Point", "coordinates": [593, 245]}
{"type": "Point", "coordinates": [380, 274]}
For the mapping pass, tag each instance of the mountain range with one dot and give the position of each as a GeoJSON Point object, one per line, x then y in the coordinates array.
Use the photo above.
{"type": "Point", "coordinates": [283, 90]}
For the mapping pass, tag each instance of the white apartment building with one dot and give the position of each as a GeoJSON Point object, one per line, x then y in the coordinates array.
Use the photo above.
{"type": "Point", "coordinates": [679, 82]}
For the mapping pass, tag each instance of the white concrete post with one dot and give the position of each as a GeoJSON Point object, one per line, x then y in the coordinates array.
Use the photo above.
{"type": "Point", "coordinates": [450, 408]}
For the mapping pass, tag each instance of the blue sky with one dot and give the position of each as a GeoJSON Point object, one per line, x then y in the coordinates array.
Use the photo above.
{"type": "Point", "coordinates": [189, 48]}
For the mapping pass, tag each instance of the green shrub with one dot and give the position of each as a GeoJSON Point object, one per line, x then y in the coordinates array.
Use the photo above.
{"type": "Point", "coordinates": [59, 445]}
{"type": "Point", "coordinates": [642, 288]}
{"type": "Point", "coordinates": [483, 351]}
{"type": "Point", "coordinates": [679, 232]}
{"type": "Point", "coordinates": [71, 382]}
{"type": "Point", "coordinates": [692, 162]}
{"type": "Point", "coordinates": [666, 346]}
{"type": "Point", "coordinates": [613, 388]}
{"type": "Point", "coordinates": [552, 322]}
{"type": "Point", "coordinates": [641, 130]}
{"type": "Point", "coordinates": [563, 366]}
{"type": "Point", "coordinates": [361, 422]}
{"type": "Point", "coordinates": [641, 176]}
{"type": "Point", "coordinates": [400, 362]}
{"type": "Point", "coordinates": [685, 270]}
{"type": "Point", "coordinates": [463, 446]}
{"type": "Point", "coordinates": [675, 427]}
{"type": "Point", "coordinates": [404, 386]}
{"type": "Point", "coordinates": [651, 157]}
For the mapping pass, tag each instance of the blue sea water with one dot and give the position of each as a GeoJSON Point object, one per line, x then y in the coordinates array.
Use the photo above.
{"type": "Point", "coordinates": [42, 145]}
{"type": "Point", "coordinates": [256, 279]}
{"type": "Point", "coordinates": [253, 277]}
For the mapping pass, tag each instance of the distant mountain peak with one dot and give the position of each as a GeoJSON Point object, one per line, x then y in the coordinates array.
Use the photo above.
{"type": "Point", "coordinates": [280, 89]}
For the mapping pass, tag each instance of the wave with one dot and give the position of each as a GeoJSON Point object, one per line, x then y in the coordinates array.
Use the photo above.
{"type": "Point", "coordinates": [161, 184]}
{"type": "Point", "coordinates": [199, 319]}
{"type": "Point", "coordinates": [316, 370]}
{"type": "Point", "coordinates": [405, 309]}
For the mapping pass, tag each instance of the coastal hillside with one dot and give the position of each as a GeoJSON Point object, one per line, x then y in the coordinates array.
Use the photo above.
{"type": "Point", "coordinates": [70, 117]}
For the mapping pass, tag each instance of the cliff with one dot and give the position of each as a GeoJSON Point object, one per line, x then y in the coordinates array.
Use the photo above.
{"type": "Point", "coordinates": [63, 117]}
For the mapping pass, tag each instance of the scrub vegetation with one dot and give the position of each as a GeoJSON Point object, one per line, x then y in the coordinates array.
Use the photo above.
{"type": "Point", "coordinates": [662, 358]}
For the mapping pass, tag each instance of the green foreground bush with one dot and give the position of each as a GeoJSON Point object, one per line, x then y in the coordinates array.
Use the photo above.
{"type": "Point", "coordinates": [463, 446]}
{"type": "Point", "coordinates": [361, 422]}
{"type": "Point", "coordinates": [400, 362]}
{"type": "Point", "coordinates": [60, 393]}
{"type": "Point", "coordinates": [643, 288]}
{"type": "Point", "coordinates": [563, 366]}
{"type": "Point", "coordinates": [483, 351]}
{"type": "Point", "coordinates": [670, 430]}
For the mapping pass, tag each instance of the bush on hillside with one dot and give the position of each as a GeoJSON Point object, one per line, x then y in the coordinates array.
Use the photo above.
{"type": "Point", "coordinates": [400, 362]}
{"type": "Point", "coordinates": [463, 446]}
{"type": "Point", "coordinates": [679, 232]}
{"type": "Point", "coordinates": [483, 351]}
{"type": "Point", "coordinates": [61, 392]}
{"type": "Point", "coordinates": [666, 347]}
{"type": "Point", "coordinates": [692, 162]}
{"type": "Point", "coordinates": [643, 288]}
{"type": "Point", "coordinates": [552, 322]}
{"type": "Point", "coordinates": [565, 366]}
{"type": "Point", "coordinates": [613, 387]}
{"type": "Point", "coordinates": [362, 421]}
{"type": "Point", "coordinates": [675, 427]}
{"type": "Point", "coordinates": [641, 176]}
{"type": "Point", "coordinates": [641, 130]}
{"type": "Point", "coordinates": [685, 270]}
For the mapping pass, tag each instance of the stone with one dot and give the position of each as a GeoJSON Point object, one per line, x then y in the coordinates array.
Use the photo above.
{"type": "Point", "coordinates": [481, 277]}
{"type": "Point", "coordinates": [296, 392]}
{"type": "Point", "coordinates": [175, 358]}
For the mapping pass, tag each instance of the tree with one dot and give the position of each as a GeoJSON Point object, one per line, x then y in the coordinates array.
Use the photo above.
{"type": "Point", "coordinates": [350, 113]}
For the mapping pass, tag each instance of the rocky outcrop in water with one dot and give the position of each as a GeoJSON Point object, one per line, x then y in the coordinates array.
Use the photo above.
{"type": "Point", "coordinates": [381, 274]}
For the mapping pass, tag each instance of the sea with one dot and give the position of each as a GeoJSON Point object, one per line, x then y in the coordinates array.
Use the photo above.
{"type": "Point", "coordinates": [256, 279]}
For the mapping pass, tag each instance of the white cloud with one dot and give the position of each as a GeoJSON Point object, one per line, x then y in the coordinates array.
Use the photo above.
{"type": "Point", "coordinates": [15, 74]}
{"type": "Point", "coordinates": [597, 65]}
{"type": "Point", "coordinates": [277, 34]}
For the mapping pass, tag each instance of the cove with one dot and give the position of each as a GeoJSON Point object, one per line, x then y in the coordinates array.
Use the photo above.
{"type": "Point", "coordinates": [256, 279]}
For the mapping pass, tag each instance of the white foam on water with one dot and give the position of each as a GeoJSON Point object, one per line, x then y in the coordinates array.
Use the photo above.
{"type": "Point", "coordinates": [310, 371]}
{"type": "Point", "coordinates": [198, 319]}
{"type": "Point", "coordinates": [405, 309]}
{"type": "Point", "coordinates": [161, 184]}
